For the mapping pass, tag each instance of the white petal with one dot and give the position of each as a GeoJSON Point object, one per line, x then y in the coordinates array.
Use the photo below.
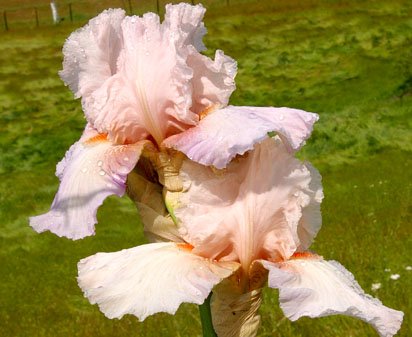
{"type": "Point", "coordinates": [227, 132]}
{"type": "Point", "coordinates": [314, 287]}
{"type": "Point", "coordinates": [148, 279]}
{"type": "Point", "coordinates": [92, 169]}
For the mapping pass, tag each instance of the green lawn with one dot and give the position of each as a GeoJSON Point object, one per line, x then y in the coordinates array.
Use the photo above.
{"type": "Point", "coordinates": [350, 61]}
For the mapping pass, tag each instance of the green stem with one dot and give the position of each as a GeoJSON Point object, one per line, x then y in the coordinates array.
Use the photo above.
{"type": "Point", "coordinates": [206, 318]}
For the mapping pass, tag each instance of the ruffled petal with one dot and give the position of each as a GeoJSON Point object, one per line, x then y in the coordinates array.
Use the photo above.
{"type": "Point", "coordinates": [187, 21]}
{"type": "Point", "coordinates": [213, 80]}
{"type": "Point", "coordinates": [151, 93]}
{"type": "Point", "coordinates": [148, 279]}
{"type": "Point", "coordinates": [91, 52]}
{"type": "Point", "coordinates": [314, 287]}
{"type": "Point", "coordinates": [311, 219]}
{"type": "Point", "coordinates": [250, 210]}
{"type": "Point", "coordinates": [227, 132]}
{"type": "Point", "coordinates": [92, 169]}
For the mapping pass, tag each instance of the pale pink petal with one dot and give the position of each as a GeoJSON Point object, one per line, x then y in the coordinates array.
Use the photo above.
{"type": "Point", "coordinates": [314, 287]}
{"type": "Point", "coordinates": [227, 132]}
{"type": "Point", "coordinates": [213, 80]}
{"type": "Point", "coordinates": [249, 211]}
{"type": "Point", "coordinates": [148, 279]}
{"type": "Point", "coordinates": [151, 93]}
{"type": "Point", "coordinates": [186, 21]}
{"type": "Point", "coordinates": [92, 169]}
{"type": "Point", "coordinates": [91, 52]}
{"type": "Point", "coordinates": [141, 79]}
{"type": "Point", "coordinates": [311, 220]}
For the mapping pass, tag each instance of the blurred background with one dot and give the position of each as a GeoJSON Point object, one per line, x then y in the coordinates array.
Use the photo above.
{"type": "Point", "coordinates": [350, 61]}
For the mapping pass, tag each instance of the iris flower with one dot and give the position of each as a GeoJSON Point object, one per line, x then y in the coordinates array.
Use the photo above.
{"type": "Point", "coordinates": [145, 87]}
{"type": "Point", "coordinates": [239, 228]}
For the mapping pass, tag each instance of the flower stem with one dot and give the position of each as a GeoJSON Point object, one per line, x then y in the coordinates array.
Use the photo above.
{"type": "Point", "coordinates": [206, 318]}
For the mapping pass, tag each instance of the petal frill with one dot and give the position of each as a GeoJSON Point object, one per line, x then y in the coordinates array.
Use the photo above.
{"type": "Point", "coordinates": [92, 169]}
{"type": "Point", "coordinates": [213, 80]}
{"type": "Point", "coordinates": [148, 279]}
{"type": "Point", "coordinates": [227, 132]}
{"type": "Point", "coordinates": [249, 211]}
{"type": "Point", "coordinates": [151, 93]}
{"type": "Point", "coordinates": [186, 20]}
{"type": "Point", "coordinates": [311, 219]}
{"type": "Point", "coordinates": [91, 52]}
{"type": "Point", "coordinates": [314, 287]}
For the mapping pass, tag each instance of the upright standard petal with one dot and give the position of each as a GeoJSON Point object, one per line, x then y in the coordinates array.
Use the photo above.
{"type": "Point", "coordinates": [148, 279]}
{"type": "Point", "coordinates": [314, 287]}
{"type": "Point", "coordinates": [227, 132]}
{"type": "Point", "coordinates": [213, 80]}
{"type": "Point", "coordinates": [186, 21]}
{"type": "Point", "coordinates": [92, 169]}
{"type": "Point", "coordinates": [151, 93]}
{"type": "Point", "coordinates": [311, 219]}
{"type": "Point", "coordinates": [91, 52]}
{"type": "Point", "coordinates": [252, 210]}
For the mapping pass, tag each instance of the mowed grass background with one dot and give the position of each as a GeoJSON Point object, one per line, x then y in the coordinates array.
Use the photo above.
{"type": "Point", "coordinates": [349, 61]}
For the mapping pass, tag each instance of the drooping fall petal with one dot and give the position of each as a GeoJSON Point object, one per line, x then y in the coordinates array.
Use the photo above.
{"type": "Point", "coordinates": [314, 287]}
{"type": "Point", "coordinates": [148, 279]}
{"type": "Point", "coordinates": [249, 211]}
{"type": "Point", "coordinates": [227, 132]}
{"type": "Point", "coordinates": [91, 170]}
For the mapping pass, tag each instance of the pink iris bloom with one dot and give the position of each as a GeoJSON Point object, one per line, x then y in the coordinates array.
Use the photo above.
{"type": "Point", "coordinates": [144, 82]}
{"type": "Point", "coordinates": [251, 223]}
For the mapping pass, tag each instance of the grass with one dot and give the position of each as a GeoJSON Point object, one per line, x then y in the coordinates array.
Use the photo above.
{"type": "Point", "coordinates": [349, 61]}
